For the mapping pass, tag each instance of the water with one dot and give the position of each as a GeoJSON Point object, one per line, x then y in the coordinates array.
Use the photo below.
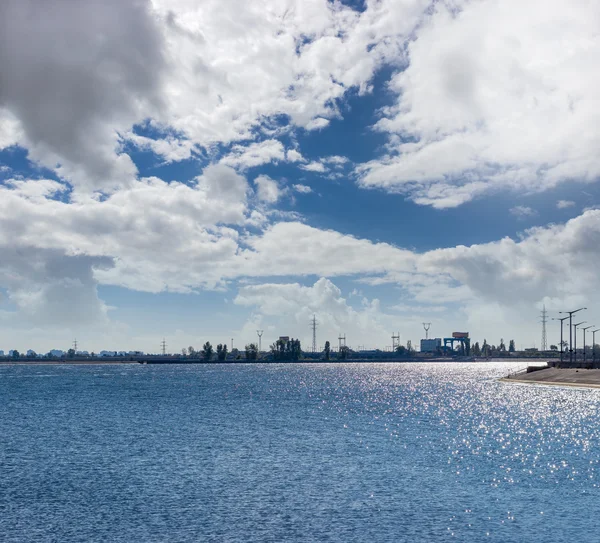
{"type": "Point", "coordinates": [352, 452]}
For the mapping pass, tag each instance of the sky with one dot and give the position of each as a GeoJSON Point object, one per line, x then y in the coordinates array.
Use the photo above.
{"type": "Point", "coordinates": [198, 170]}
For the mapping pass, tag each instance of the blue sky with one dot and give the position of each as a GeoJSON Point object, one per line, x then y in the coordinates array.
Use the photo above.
{"type": "Point", "coordinates": [198, 171]}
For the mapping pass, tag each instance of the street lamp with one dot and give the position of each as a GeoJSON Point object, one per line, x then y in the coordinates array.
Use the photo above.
{"type": "Point", "coordinates": [575, 338]}
{"type": "Point", "coordinates": [594, 346]}
{"type": "Point", "coordinates": [571, 313]}
{"type": "Point", "coordinates": [561, 335]}
{"type": "Point", "coordinates": [584, 329]}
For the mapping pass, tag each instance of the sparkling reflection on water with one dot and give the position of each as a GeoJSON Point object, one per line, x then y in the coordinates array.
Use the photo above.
{"type": "Point", "coordinates": [298, 452]}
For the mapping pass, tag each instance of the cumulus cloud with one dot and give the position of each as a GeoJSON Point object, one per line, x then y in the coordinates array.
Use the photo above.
{"type": "Point", "coordinates": [492, 101]}
{"type": "Point", "coordinates": [302, 189]}
{"type": "Point", "coordinates": [212, 73]}
{"type": "Point", "coordinates": [522, 212]}
{"type": "Point", "coordinates": [267, 189]}
{"type": "Point", "coordinates": [294, 156]}
{"type": "Point", "coordinates": [255, 154]}
{"type": "Point", "coordinates": [80, 73]}
{"type": "Point", "coordinates": [314, 166]}
{"type": "Point", "coordinates": [281, 309]}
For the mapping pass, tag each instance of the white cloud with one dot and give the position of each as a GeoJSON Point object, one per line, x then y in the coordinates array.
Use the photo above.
{"type": "Point", "coordinates": [302, 189]}
{"type": "Point", "coordinates": [564, 204]}
{"type": "Point", "coordinates": [317, 167]}
{"type": "Point", "coordinates": [255, 154]}
{"type": "Point", "coordinates": [172, 149]}
{"type": "Point", "coordinates": [483, 88]}
{"type": "Point", "coordinates": [212, 72]}
{"type": "Point", "coordinates": [336, 160]}
{"type": "Point", "coordinates": [317, 124]}
{"type": "Point", "coordinates": [267, 189]}
{"type": "Point", "coordinates": [294, 156]}
{"type": "Point", "coordinates": [283, 309]}
{"type": "Point", "coordinates": [522, 212]}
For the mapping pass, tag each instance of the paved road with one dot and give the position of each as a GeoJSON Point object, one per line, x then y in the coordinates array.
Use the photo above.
{"type": "Point", "coordinates": [560, 376]}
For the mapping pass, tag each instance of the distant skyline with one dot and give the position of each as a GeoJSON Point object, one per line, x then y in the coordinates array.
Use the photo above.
{"type": "Point", "coordinates": [200, 170]}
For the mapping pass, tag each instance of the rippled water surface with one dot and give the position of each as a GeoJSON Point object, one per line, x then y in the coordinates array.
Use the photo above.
{"type": "Point", "coordinates": [298, 452]}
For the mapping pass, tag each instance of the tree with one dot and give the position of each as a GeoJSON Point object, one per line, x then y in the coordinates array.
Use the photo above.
{"type": "Point", "coordinates": [207, 352]}
{"type": "Point", "coordinates": [31, 354]}
{"type": "Point", "coordinates": [409, 347]}
{"type": "Point", "coordinates": [184, 351]}
{"type": "Point", "coordinates": [327, 351]}
{"type": "Point", "coordinates": [251, 351]}
{"type": "Point", "coordinates": [343, 353]}
{"type": "Point", "coordinates": [511, 346]}
{"type": "Point", "coordinates": [71, 353]}
{"type": "Point", "coordinates": [553, 348]}
{"type": "Point", "coordinates": [502, 347]}
{"type": "Point", "coordinates": [485, 348]}
{"type": "Point", "coordinates": [286, 349]}
{"type": "Point", "coordinates": [401, 350]}
{"type": "Point", "coordinates": [221, 352]}
{"type": "Point", "coordinates": [15, 353]}
{"type": "Point", "coordinates": [476, 349]}
{"type": "Point", "coordinates": [192, 352]}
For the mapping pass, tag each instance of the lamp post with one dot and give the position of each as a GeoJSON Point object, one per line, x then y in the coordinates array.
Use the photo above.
{"type": "Point", "coordinates": [561, 335]}
{"type": "Point", "coordinates": [584, 329]}
{"type": "Point", "coordinates": [594, 346]}
{"type": "Point", "coordinates": [575, 337]}
{"type": "Point", "coordinates": [571, 313]}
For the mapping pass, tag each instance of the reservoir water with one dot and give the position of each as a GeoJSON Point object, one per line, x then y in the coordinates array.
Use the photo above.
{"type": "Point", "coordinates": [295, 452]}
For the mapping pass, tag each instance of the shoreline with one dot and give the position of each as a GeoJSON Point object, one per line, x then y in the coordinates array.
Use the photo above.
{"type": "Point", "coordinates": [563, 377]}
{"type": "Point", "coordinates": [171, 361]}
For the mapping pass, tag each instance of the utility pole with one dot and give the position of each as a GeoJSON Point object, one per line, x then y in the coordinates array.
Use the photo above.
{"type": "Point", "coordinates": [164, 347]}
{"type": "Point", "coordinates": [584, 329]}
{"type": "Point", "coordinates": [544, 316]}
{"type": "Point", "coordinates": [231, 344]}
{"type": "Point", "coordinates": [571, 313]}
{"type": "Point", "coordinates": [575, 338]}
{"type": "Point", "coordinates": [426, 326]}
{"type": "Point", "coordinates": [594, 346]}
{"type": "Point", "coordinates": [313, 325]}
{"type": "Point", "coordinates": [561, 335]}
{"type": "Point", "coordinates": [260, 334]}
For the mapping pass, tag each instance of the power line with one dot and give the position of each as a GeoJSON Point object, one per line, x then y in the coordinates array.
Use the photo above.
{"type": "Point", "coordinates": [260, 334]}
{"type": "Point", "coordinates": [314, 324]}
{"type": "Point", "coordinates": [544, 316]}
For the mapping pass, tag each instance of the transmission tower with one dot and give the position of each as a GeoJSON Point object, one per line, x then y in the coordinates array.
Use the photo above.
{"type": "Point", "coordinates": [259, 333]}
{"type": "Point", "coordinates": [544, 317]}
{"type": "Point", "coordinates": [75, 344]}
{"type": "Point", "coordinates": [313, 325]}
{"type": "Point", "coordinates": [394, 344]}
{"type": "Point", "coordinates": [342, 341]}
{"type": "Point", "coordinates": [164, 347]}
{"type": "Point", "coordinates": [426, 327]}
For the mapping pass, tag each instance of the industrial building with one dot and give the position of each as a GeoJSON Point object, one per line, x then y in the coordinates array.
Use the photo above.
{"type": "Point", "coordinates": [431, 345]}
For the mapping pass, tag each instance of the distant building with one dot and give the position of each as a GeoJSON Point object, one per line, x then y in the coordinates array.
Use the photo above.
{"type": "Point", "coordinates": [2, 353]}
{"type": "Point", "coordinates": [431, 345]}
{"type": "Point", "coordinates": [56, 352]}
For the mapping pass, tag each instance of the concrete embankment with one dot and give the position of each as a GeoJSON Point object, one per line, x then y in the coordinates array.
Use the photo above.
{"type": "Point", "coordinates": [559, 377]}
